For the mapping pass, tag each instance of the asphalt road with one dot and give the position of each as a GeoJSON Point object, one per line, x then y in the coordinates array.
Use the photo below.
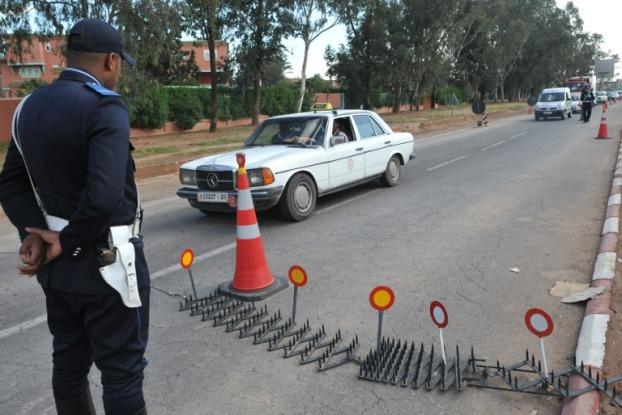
{"type": "Point", "coordinates": [475, 203]}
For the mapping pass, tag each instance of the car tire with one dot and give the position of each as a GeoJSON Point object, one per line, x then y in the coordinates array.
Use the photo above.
{"type": "Point", "coordinates": [299, 198]}
{"type": "Point", "coordinates": [392, 173]}
{"type": "Point", "coordinates": [563, 117]}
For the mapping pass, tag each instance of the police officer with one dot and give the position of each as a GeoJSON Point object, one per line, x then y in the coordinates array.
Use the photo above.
{"type": "Point", "coordinates": [68, 178]}
{"type": "Point", "coordinates": [587, 97]}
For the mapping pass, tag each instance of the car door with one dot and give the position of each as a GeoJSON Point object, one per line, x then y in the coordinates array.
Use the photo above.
{"type": "Point", "coordinates": [346, 161]}
{"type": "Point", "coordinates": [376, 144]}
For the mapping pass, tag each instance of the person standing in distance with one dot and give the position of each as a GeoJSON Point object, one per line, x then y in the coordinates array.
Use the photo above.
{"type": "Point", "coordinates": [68, 186]}
{"type": "Point", "coordinates": [587, 97]}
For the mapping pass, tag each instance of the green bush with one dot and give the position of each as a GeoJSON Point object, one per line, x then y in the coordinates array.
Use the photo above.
{"type": "Point", "coordinates": [447, 91]}
{"type": "Point", "coordinates": [185, 107]}
{"type": "Point", "coordinates": [148, 105]}
{"type": "Point", "coordinates": [279, 99]}
{"type": "Point", "coordinates": [28, 86]}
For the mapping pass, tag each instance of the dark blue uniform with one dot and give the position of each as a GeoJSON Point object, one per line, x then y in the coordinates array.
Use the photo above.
{"type": "Point", "coordinates": [74, 135]}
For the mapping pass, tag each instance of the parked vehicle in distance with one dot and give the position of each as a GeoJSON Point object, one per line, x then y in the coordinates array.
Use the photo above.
{"type": "Point", "coordinates": [576, 102]}
{"type": "Point", "coordinates": [554, 102]}
{"type": "Point", "coordinates": [613, 95]}
{"type": "Point", "coordinates": [293, 159]}
{"type": "Point", "coordinates": [600, 97]}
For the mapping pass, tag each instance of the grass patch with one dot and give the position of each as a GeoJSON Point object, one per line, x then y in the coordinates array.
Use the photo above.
{"type": "Point", "coordinates": [149, 151]}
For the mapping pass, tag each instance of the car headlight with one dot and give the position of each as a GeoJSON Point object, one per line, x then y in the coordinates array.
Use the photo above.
{"type": "Point", "coordinates": [187, 176]}
{"type": "Point", "coordinates": [260, 177]}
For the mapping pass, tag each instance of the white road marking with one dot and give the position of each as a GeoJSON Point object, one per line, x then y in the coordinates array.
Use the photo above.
{"type": "Point", "coordinates": [493, 145]}
{"type": "Point", "coordinates": [19, 328]}
{"type": "Point", "coordinates": [345, 202]}
{"type": "Point", "coordinates": [518, 135]}
{"type": "Point", "coordinates": [23, 326]}
{"type": "Point", "coordinates": [591, 343]}
{"type": "Point", "coordinates": [438, 166]}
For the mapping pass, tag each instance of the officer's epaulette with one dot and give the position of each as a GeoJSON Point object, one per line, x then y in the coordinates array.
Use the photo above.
{"type": "Point", "coordinates": [102, 90]}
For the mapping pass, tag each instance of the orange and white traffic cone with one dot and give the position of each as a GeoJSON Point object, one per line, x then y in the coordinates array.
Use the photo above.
{"type": "Point", "coordinates": [252, 279]}
{"type": "Point", "coordinates": [602, 130]}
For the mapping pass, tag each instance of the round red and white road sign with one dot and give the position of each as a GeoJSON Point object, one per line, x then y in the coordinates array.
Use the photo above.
{"type": "Point", "coordinates": [438, 312]}
{"type": "Point", "coordinates": [539, 322]}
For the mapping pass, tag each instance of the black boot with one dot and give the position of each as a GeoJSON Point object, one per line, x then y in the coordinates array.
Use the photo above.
{"type": "Point", "coordinates": [80, 405]}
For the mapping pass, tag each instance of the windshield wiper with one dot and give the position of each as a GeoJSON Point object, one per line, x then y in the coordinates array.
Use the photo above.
{"type": "Point", "coordinates": [254, 144]}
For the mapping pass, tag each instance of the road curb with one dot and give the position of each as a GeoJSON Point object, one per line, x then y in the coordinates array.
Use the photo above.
{"type": "Point", "coordinates": [592, 338]}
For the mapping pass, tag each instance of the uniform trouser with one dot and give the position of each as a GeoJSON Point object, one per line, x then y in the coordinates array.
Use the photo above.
{"type": "Point", "coordinates": [586, 111]}
{"type": "Point", "coordinates": [100, 329]}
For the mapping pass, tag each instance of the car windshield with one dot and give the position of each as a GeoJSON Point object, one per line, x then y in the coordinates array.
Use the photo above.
{"type": "Point", "coordinates": [601, 93]}
{"type": "Point", "coordinates": [291, 130]}
{"type": "Point", "coordinates": [576, 96]}
{"type": "Point", "coordinates": [551, 97]}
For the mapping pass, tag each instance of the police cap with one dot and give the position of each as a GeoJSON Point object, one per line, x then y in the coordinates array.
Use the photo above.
{"type": "Point", "coordinates": [92, 35]}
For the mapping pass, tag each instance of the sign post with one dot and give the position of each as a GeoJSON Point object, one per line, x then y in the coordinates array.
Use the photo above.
{"type": "Point", "coordinates": [381, 298]}
{"type": "Point", "coordinates": [438, 312]}
{"type": "Point", "coordinates": [298, 277]}
{"type": "Point", "coordinates": [185, 260]}
{"type": "Point", "coordinates": [453, 101]}
{"type": "Point", "coordinates": [540, 323]}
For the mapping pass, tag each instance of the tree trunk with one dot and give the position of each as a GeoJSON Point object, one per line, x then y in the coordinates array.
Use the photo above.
{"type": "Point", "coordinates": [502, 91]}
{"type": "Point", "coordinates": [257, 100]}
{"type": "Point", "coordinates": [303, 76]}
{"type": "Point", "coordinates": [397, 100]}
{"type": "Point", "coordinates": [214, 96]}
{"type": "Point", "coordinates": [433, 97]}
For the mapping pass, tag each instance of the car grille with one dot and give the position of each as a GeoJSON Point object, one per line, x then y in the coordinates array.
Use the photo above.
{"type": "Point", "coordinates": [216, 181]}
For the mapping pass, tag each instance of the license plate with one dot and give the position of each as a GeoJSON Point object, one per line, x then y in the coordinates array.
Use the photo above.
{"type": "Point", "coordinates": [547, 112]}
{"type": "Point", "coordinates": [212, 197]}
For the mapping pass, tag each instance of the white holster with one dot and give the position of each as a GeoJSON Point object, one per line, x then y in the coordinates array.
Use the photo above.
{"type": "Point", "coordinates": [120, 275]}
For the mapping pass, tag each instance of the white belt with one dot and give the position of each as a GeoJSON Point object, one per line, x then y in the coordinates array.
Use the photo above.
{"type": "Point", "coordinates": [120, 275]}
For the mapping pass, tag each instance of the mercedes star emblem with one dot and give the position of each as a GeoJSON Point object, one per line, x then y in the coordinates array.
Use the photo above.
{"type": "Point", "coordinates": [212, 180]}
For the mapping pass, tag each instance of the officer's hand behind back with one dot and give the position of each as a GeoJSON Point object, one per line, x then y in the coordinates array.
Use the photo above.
{"type": "Point", "coordinates": [32, 253]}
{"type": "Point", "coordinates": [51, 238]}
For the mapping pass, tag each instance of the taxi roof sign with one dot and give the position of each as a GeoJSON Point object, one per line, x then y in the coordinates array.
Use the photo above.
{"type": "Point", "coordinates": [297, 275]}
{"type": "Point", "coordinates": [186, 258]}
{"type": "Point", "coordinates": [319, 106]}
{"type": "Point", "coordinates": [381, 298]}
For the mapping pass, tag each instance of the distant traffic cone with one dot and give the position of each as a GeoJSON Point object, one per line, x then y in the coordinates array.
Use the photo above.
{"type": "Point", "coordinates": [252, 279]}
{"type": "Point", "coordinates": [602, 130]}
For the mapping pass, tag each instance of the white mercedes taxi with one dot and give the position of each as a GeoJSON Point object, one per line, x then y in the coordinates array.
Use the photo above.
{"type": "Point", "coordinates": [293, 159]}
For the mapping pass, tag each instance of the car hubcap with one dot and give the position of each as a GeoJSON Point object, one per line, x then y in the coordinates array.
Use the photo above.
{"type": "Point", "coordinates": [303, 197]}
{"type": "Point", "coordinates": [394, 170]}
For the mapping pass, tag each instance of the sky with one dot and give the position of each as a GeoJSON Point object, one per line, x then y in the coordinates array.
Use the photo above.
{"type": "Point", "coordinates": [599, 16]}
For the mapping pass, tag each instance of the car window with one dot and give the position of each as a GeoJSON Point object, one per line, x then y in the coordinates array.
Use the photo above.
{"type": "Point", "coordinates": [377, 128]}
{"type": "Point", "coordinates": [551, 97]}
{"type": "Point", "coordinates": [364, 125]}
{"type": "Point", "coordinates": [287, 131]}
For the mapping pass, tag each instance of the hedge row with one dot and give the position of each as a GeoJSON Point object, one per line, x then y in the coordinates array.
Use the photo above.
{"type": "Point", "coordinates": [151, 104]}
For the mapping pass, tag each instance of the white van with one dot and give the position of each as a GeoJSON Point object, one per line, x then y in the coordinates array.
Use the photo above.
{"type": "Point", "coordinates": [554, 102]}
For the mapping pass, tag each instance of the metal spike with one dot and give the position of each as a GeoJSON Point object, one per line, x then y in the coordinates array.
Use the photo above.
{"type": "Point", "coordinates": [515, 383]}
{"type": "Point", "coordinates": [589, 372]}
{"type": "Point", "coordinates": [581, 366]}
{"type": "Point", "coordinates": [552, 378]}
{"type": "Point", "coordinates": [597, 378]}
{"type": "Point", "coordinates": [539, 366]}
{"type": "Point", "coordinates": [527, 355]}
{"type": "Point", "coordinates": [606, 384]}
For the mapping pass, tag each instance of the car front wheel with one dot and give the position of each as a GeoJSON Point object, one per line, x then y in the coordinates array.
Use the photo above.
{"type": "Point", "coordinates": [392, 173]}
{"type": "Point", "coordinates": [298, 201]}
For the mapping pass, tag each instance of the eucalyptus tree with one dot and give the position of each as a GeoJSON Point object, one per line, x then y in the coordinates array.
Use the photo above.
{"type": "Point", "coordinates": [311, 19]}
